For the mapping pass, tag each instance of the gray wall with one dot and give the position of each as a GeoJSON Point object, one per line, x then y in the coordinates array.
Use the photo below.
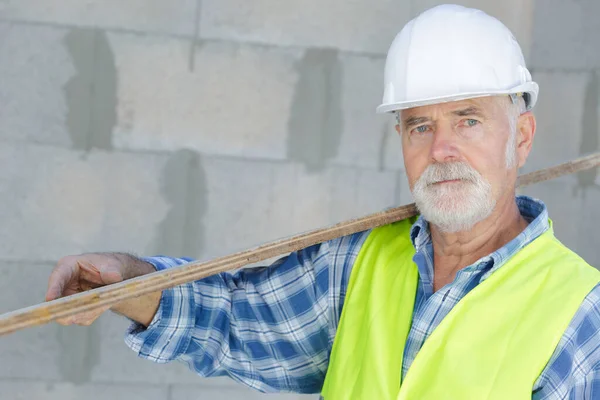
{"type": "Point", "coordinates": [200, 127]}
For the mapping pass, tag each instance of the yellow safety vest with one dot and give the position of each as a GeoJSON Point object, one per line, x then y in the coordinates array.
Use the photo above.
{"type": "Point", "coordinates": [493, 344]}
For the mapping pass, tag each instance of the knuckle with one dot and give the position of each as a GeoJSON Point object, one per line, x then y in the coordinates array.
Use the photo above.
{"type": "Point", "coordinates": [66, 260]}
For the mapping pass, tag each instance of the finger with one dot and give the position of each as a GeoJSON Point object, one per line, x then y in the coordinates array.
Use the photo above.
{"type": "Point", "coordinates": [111, 275]}
{"type": "Point", "coordinates": [58, 280]}
{"type": "Point", "coordinates": [102, 271]}
{"type": "Point", "coordinates": [89, 271]}
{"type": "Point", "coordinates": [87, 285]}
{"type": "Point", "coordinates": [84, 318]}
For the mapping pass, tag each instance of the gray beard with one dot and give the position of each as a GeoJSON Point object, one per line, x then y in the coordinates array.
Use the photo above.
{"type": "Point", "coordinates": [457, 206]}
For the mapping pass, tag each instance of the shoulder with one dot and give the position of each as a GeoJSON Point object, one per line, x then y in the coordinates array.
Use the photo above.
{"type": "Point", "coordinates": [347, 247]}
{"type": "Point", "coordinates": [578, 352]}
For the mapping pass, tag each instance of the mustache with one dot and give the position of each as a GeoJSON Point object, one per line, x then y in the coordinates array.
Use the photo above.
{"type": "Point", "coordinates": [440, 172]}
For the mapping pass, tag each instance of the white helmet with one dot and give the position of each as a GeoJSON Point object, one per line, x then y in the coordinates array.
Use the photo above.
{"type": "Point", "coordinates": [453, 53]}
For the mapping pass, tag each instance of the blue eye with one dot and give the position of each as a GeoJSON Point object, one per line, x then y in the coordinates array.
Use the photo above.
{"type": "Point", "coordinates": [471, 122]}
{"type": "Point", "coordinates": [421, 129]}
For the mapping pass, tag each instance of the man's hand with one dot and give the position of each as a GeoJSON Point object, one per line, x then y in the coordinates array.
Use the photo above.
{"type": "Point", "coordinates": [76, 274]}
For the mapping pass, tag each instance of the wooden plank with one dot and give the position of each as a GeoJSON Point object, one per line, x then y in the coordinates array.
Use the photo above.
{"type": "Point", "coordinates": [160, 280]}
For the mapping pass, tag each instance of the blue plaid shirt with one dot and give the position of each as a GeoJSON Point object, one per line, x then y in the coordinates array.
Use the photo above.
{"type": "Point", "coordinates": [272, 328]}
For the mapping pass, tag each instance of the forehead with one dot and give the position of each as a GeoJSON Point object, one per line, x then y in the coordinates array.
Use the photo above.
{"type": "Point", "coordinates": [485, 105]}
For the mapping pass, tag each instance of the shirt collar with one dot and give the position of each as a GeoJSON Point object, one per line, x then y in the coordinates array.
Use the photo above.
{"type": "Point", "coordinates": [533, 210]}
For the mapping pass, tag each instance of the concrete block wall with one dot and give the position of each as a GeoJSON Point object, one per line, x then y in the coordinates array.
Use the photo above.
{"type": "Point", "coordinates": [201, 127]}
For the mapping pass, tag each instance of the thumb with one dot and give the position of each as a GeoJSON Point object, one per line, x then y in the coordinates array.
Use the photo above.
{"type": "Point", "coordinates": [100, 270]}
{"type": "Point", "coordinates": [59, 278]}
{"type": "Point", "coordinates": [111, 274]}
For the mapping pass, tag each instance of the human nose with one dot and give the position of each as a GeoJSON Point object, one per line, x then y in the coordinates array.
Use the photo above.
{"type": "Point", "coordinates": [444, 147]}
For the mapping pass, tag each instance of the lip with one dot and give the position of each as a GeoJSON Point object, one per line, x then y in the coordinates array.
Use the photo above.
{"type": "Point", "coordinates": [448, 181]}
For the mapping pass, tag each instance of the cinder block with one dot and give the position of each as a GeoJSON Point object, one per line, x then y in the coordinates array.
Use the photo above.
{"type": "Point", "coordinates": [517, 15]}
{"type": "Point", "coordinates": [58, 202]}
{"type": "Point", "coordinates": [59, 86]}
{"type": "Point", "coordinates": [358, 192]}
{"type": "Point", "coordinates": [28, 390]}
{"type": "Point", "coordinates": [368, 139]}
{"type": "Point", "coordinates": [32, 353]}
{"type": "Point", "coordinates": [564, 202]}
{"type": "Point", "coordinates": [117, 363]}
{"type": "Point", "coordinates": [565, 34]}
{"type": "Point", "coordinates": [50, 352]}
{"type": "Point", "coordinates": [560, 114]}
{"type": "Point", "coordinates": [184, 392]}
{"type": "Point", "coordinates": [250, 203]}
{"type": "Point", "coordinates": [244, 203]}
{"type": "Point", "coordinates": [359, 25]}
{"type": "Point", "coordinates": [363, 142]}
{"type": "Point", "coordinates": [587, 245]}
{"type": "Point", "coordinates": [35, 65]}
{"type": "Point", "coordinates": [172, 17]}
{"type": "Point", "coordinates": [235, 101]}
{"type": "Point", "coordinates": [392, 146]}
{"type": "Point", "coordinates": [573, 209]}
{"type": "Point", "coordinates": [403, 193]}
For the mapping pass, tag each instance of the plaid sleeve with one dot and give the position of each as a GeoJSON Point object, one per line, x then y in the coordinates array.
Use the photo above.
{"type": "Point", "coordinates": [573, 372]}
{"type": "Point", "coordinates": [270, 328]}
{"type": "Point", "coordinates": [169, 333]}
{"type": "Point", "coordinates": [588, 387]}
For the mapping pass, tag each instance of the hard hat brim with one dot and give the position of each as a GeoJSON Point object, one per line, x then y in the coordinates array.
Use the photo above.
{"type": "Point", "coordinates": [531, 88]}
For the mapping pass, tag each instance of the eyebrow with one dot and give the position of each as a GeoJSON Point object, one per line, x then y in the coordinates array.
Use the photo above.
{"type": "Point", "coordinates": [472, 110]}
{"type": "Point", "coordinates": [411, 121]}
{"type": "Point", "coordinates": [468, 111]}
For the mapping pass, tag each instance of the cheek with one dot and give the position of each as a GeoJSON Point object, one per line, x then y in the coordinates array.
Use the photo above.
{"type": "Point", "coordinates": [414, 154]}
{"type": "Point", "coordinates": [495, 175]}
{"type": "Point", "coordinates": [412, 165]}
{"type": "Point", "coordinates": [489, 156]}
{"type": "Point", "coordinates": [486, 164]}
{"type": "Point", "coordinates": [413, 172]}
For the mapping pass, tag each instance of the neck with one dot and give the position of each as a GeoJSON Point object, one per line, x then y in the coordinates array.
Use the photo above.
{"type": "Point", "coordinates": [455, 251]}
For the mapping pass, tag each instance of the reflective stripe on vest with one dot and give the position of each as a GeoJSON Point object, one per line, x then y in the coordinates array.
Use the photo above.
{"type": "Point", "coordinates": [493, 344]}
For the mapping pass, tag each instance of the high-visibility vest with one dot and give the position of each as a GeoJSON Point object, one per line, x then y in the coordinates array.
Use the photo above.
{"type": "Point", "coordinates": [493, 344]}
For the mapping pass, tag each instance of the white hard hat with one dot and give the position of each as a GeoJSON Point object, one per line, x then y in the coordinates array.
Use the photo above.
{"type": "Point", "coordinates": [453, 53]}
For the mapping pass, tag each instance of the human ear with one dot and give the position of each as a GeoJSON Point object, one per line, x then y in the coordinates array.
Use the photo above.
{"type": "Point", "coordinates": [526, 125]}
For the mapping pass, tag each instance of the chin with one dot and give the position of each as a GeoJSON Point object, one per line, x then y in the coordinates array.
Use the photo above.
{"type": "Point", "coordinates": [451, 200]}
{"type": "Point", "coordinates": [455, 211]}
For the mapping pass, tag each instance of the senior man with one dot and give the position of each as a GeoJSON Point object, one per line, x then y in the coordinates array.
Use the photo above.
{"type": "Point", "coordinates": [474, 299]}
